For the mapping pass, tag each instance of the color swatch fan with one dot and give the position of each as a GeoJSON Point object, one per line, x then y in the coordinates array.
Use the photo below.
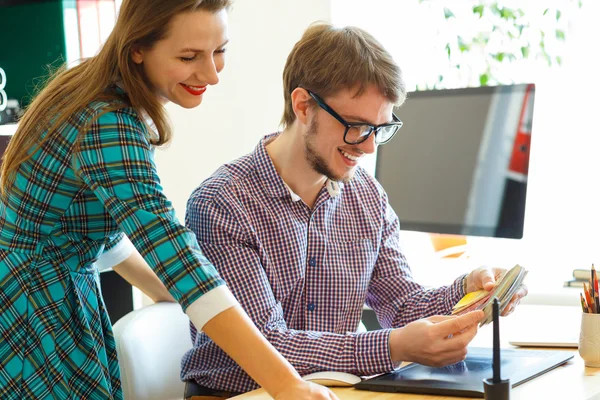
{"type": "Point", "coordinates": [506, 286]}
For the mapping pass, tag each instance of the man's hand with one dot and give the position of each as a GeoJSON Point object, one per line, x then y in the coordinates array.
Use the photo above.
{"type": "Point", "coordinates": [485, 278]}
{"type": "Point", "coordinates": [435, 341]}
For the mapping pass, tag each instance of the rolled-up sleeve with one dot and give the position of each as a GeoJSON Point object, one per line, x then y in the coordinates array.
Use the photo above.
{"type": "Point", "coordinates": [118, 249]}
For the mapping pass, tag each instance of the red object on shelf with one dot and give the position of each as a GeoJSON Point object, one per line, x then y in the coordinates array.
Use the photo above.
{"type": "Point", "coordinates": [519, 161]}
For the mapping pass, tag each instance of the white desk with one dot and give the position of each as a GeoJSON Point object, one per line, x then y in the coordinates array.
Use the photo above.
{"type": "Point", "coordinates": [534, 320]}
{"type": "Point", "coordinates": [572, 381]}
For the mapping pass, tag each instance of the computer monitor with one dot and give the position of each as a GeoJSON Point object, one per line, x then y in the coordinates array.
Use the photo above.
{"type": "Point", "coordinates": [459, 164]}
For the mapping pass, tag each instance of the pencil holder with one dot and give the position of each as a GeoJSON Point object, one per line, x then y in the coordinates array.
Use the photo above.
{"type": "Point", "coordinates": [589, 339]}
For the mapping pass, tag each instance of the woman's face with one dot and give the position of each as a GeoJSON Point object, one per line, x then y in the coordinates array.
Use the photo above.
{"type": "Point", "coordinates": [182, 65]}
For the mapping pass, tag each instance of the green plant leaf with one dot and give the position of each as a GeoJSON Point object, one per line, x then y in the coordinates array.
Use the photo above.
{"type": "Point", "coordinates": [495, 9]}
{"type": "Point", "coordinates": [498, 56]}
{"type": "Point", "coordinates": [484, 79]}
{"type": "Point", "coordinates": [462, 45]}
{"type": "Point", "coordinates": [507, 14]}
{"type": "Point", "coordinates": [478, 10]}
{"type": "Point", "coordinates": [482, 38]}
{"type": "Point", "coordinates": [448, 13]}
{"type": "Point", "coordinates": [514, 25]}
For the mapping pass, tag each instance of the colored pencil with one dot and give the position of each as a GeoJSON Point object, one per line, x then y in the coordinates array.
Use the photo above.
{"type": "Point", "coordinates": [591, 291]}
{"type": "Point", "coordinates": [583, 305]}
{"type": "Point", "coordinates": [588, 297]}
{"type": "Point", "coordinates": [596, 300]}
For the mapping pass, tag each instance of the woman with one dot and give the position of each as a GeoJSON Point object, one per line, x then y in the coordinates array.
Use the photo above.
{"type": "Point", "coordinates": [77, 174]}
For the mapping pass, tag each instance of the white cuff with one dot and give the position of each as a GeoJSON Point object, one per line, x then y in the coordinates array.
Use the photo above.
{"type": "Point", "coordinates": [119, 253]}
{"type": "Point", "coordinates": [209, 305]}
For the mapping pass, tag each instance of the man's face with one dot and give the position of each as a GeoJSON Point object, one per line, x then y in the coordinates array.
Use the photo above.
{"type": "Point", "coordinates": [324, 145]}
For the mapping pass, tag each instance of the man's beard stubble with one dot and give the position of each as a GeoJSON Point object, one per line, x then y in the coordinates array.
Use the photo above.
{"type": "Point", "coordinates": [318, 163]}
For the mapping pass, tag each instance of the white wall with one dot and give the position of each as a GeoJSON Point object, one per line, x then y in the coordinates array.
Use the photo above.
{"type": "Point", "coordinates": [248, 101]}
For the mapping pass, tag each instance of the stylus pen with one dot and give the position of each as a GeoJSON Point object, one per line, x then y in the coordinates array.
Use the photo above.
{"type": "Point", "coordinates": [496, 361]}
{"type": "Point", "coordinates": [496, 388]}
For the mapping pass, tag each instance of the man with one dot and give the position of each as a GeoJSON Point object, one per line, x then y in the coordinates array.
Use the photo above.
{"type": "Point", "coordinates": [304, 237]}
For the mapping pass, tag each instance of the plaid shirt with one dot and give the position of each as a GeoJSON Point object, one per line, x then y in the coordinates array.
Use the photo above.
{"type": "Point", "coordinates": [303, 275]}
{"type": "Point", "coordinates": [62, 212]}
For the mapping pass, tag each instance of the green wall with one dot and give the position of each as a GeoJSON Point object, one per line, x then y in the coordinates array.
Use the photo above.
{"type": "Point", "coordinates": [32, 38]}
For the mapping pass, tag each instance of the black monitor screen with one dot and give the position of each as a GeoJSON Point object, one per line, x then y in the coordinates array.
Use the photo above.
{"type": "Point", "coordinates": [459, 164]}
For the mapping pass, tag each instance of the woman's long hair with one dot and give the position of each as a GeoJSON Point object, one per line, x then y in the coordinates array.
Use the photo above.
{"type": "Point", "coordinates": [141, 23]}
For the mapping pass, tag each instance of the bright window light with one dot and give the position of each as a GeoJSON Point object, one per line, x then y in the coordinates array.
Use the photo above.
{"type": "Point", "coordinates": [562, 216]}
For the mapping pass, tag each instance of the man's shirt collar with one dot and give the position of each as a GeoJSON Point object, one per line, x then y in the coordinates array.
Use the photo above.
{"type": "Point", "coordinates": [274, 185]}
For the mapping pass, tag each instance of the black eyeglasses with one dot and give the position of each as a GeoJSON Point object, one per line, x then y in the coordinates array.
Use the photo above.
{"type": "Point", "coordinates": [357, 132]}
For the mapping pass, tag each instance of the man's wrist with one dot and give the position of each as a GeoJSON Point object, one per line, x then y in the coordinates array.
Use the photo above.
{"type": "Point", "coordinates": [465, 283]}
{"type": "Point", "coordinates": [373, 351]}
{"type": "Point", "coordinates": [396, 354]}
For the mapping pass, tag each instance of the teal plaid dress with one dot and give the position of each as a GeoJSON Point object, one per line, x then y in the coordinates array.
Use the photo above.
{"type": "Point", "coordinates": [67, 206]}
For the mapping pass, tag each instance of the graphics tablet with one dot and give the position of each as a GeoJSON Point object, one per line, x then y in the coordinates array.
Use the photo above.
{"type": "Point", "coordinates": [465, 379]}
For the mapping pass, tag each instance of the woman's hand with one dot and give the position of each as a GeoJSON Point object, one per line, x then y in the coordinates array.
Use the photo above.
{"type": "Point", "coordinates": [302, 390]}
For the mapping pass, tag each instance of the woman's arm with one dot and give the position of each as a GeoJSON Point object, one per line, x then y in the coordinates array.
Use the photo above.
{"type": "Point", "coordinates": [115, 161]}
{"type": "Point", "coordinates": [135, 270]}
{"type": "Point", "coordinates": [248, 348]}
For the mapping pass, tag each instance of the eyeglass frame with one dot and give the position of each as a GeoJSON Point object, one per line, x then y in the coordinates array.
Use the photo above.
{"type": "Point", "coordinates": [374, 128]}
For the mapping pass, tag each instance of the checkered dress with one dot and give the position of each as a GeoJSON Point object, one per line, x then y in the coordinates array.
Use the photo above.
{"type": "Point", "coordinates": [63, 211]}
{"type": "Point", "coordinates": [302, 274]}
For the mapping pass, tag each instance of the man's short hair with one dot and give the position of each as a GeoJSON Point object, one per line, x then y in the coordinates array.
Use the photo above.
{"type": "Point", "coordinates": [328, 59]}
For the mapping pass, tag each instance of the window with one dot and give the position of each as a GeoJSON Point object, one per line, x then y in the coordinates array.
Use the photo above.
{"type": "Point", "coordinates": [87, 25]}
{"type": "Point", "coordinates": [562, 218]}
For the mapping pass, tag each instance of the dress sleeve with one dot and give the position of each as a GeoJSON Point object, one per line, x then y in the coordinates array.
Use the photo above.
{"type": "Point", "coordinates": [114, 158]}
{"type": "Point", "coordinates": [116, 251]}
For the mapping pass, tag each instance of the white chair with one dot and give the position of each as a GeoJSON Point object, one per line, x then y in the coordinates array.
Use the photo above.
{"type": "Point", "coordinates": [150, 344]}
{"type": "Point", "coordinates": [361, 327]}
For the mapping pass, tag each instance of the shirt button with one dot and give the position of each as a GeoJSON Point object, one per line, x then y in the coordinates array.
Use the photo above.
{"type": "Point", "coordinates": [312, 262]}
{"type": "Point", "coordinates": [311, 307]}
